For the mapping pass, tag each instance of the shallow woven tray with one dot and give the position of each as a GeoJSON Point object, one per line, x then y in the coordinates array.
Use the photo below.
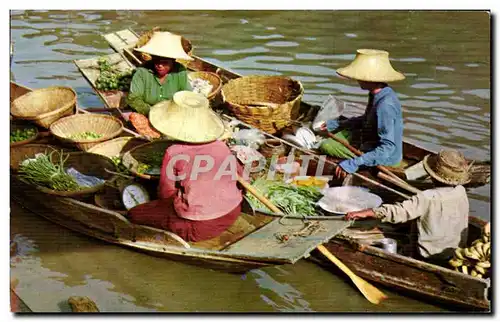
{"type": "Point", "coordinates": [116, 147]}
{"type": "Point", "coordinates": [106, 125]}
{"type": "Point", "coordinates": [23, 125]}
{"type": "Point", "coordinates": [212, 78]}
{"type": "Point", "coordinates": [268, 103]}
{"type": "Point", "coordinates": [44, 106]}
{"type": "Point", "coordinates": [132, 158]}
{"type": "Point", "coordinates": [85, 163]}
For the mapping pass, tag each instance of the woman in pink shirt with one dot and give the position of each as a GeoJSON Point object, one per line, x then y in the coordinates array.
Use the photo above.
{"type": "Point", "coordinates": [198, 197]}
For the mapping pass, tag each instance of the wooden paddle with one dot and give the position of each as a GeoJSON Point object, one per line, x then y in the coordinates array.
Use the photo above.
{"type": "Point", "coordinates": [395, 179]}
{"type": "Point", "coordinates": [371, 293]}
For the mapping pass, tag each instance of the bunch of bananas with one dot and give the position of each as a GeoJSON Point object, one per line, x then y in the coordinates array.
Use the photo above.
{"type": "Point", "coordinates": [474, 260]}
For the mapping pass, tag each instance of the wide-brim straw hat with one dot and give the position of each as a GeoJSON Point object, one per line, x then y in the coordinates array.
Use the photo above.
{"type": "Point", "coordinates": [371, 65]}
{"type": "Point", "coordinates": [165, 44]}
{"type": "Point", "coordinates": [187, 118]}
{"type": "Point", "coordinates": [448, 166]}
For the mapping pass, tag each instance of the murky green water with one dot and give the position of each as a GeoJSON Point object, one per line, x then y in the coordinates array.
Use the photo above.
{"type": "Point", "coordinates": [446, 99]}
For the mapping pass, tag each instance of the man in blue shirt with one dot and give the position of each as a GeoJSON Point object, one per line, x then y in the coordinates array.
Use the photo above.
{"type": "Point", "coordinates": [379, 131]}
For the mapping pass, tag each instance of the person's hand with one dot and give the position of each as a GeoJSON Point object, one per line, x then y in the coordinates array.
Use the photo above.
{"type": "Point", "coordinates": [362, 214]}
{"type": "Point", "coordinates": [340, 173]}
{"type": "Point", "coordinates": [126, 116]}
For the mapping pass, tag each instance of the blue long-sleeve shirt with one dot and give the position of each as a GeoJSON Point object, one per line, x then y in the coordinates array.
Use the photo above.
{"type": "Point", "coordinates": [382, 123]}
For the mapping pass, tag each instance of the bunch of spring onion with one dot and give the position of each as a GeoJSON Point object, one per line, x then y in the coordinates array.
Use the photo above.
{"type": "Point", "coordinates": [289, 199]}
{"type": "Point", "coordinates": [42, 171]}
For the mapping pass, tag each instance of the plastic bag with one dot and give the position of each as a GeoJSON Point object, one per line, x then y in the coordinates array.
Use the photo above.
{"type": "Point", "coordinates": [331, 108]}
{"type": "Point", "coordinates": [252, 138]}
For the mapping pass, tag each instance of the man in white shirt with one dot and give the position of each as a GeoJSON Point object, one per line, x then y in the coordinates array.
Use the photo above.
{"type": "Point", "coordinates": [441, 213]}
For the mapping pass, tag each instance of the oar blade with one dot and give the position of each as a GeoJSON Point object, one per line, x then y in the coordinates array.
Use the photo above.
{"type": "Point", "coordinates": [372, 294]}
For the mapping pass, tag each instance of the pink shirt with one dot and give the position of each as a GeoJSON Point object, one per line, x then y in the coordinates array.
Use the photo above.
{"type": "Point", "coordinates": [200, 194]}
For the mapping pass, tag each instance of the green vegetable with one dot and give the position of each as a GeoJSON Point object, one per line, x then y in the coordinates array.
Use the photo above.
{"type": "Point", "coordinates": [22, 134]}
{"type": "Point", "coordinates": [290, 199]}
{"type": "Point", "coordinates": [85, 136]}
{"type": "Point", "coordinates": [42, 171]}
{"type": "Point", "coordinates": [142, 168]}
{"type": "Point", "coordinates": [110, 78]}
{"type": "Point", "coordinates": [117, 160]}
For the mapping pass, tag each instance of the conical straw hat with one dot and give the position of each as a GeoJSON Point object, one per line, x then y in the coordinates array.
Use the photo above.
{"type": "Point", "coordinates": [165, 44]}
{"type": "Point", "coordinates": [187, 118]}
{"type": "Point", "coordinates": [371, 65]}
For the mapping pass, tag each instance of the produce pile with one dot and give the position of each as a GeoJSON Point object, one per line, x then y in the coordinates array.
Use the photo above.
{"type": "Point", "coordinates": [110, 78]}
{"type": "Point", "coordinates": [117, 160]}
{"type": "Point", "coordinates": [18, 135]}
{"type": "Point", "coordinates": [41, 171]}
{"type": "Point", "coordinates": [475, 260]}
{"type": "Point", "coordinates": [290, 199]}
{"type": "Point", "coordinates": [85, 136]}
{"type": "Point", "coordinates": [201, 86]}
{"type": "Point", "coordinates": [151, 163]}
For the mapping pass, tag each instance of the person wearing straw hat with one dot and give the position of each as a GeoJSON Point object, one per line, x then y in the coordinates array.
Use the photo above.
{"type": "Point", "coordinates": [441, 213]}
{"type": "Point", "coordinates": [162, 76]}
{"type": "Point", "coordinates": [379, 131]}
{"type": "Point", "coordinates": [198, 193]}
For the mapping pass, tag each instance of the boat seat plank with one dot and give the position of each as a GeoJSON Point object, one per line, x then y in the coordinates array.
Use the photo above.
{"type": "Point", "coordinates": [128, 36]}
{"type": "Point", "coordinates": [266, 243]}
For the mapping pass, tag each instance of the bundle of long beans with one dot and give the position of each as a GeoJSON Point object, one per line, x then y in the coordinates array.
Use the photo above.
{"type": "Point", "coordinates": [42, 171]}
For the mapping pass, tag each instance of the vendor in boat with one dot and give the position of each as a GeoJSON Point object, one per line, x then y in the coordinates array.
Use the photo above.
{"type": "Point", "coordinates": [162, 76]}
{"type": "Point", "coordinates": [379, 131]}
{"type": "Point", "coordinates": [441, 213]}
{"type": "Point", "coordinates": [198, 197]}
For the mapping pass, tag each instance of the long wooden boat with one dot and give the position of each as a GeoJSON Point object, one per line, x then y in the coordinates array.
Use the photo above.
{"type": "Point", "coordinates": [123, 42]}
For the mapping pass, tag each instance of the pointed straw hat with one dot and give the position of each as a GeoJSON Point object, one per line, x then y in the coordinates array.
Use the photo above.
{"type": "Point", "coordinates": [371, 65]}
{"type": "Point", "coordinates": [165, 44]}
{"type": "Point", "coordinates": [448, 166]}
{"type": "Point", "coordinates": [187, 118]}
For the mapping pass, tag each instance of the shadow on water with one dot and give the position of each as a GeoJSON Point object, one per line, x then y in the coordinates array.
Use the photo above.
{"type": "Point", "coordinates": [446, 100]}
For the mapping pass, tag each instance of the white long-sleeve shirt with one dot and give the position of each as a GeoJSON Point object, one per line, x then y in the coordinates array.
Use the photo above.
{"type": "Point", "coordinates": [442, 218]}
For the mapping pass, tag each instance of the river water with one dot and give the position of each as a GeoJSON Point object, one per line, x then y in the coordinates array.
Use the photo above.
{"type": "Point", "coordinates": [446, 99]}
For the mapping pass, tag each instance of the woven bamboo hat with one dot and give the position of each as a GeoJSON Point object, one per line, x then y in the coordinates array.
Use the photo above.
{"type": "Point", "coordinates": [448, 166]}
{"type": "Point", "coordinates": [165, 44]}
{"type": "Point", "coordinates": [371, 65]}
{"type": "Point", "coordinates": [187, 118]}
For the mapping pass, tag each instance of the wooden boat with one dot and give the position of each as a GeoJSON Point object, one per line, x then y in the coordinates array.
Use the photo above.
{"type": "Point", "coordinates": [249, 243]}
{"type": "Point", "coordinates": [123, 41]}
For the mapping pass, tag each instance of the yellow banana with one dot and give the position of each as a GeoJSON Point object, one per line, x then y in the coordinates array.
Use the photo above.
{"type": "Point", "coordinates": [470, 254]}
{"type": "Point", "coordinates": [484, 264]}
{"type": "Point", "coordinates": [477, 241]}
{"type": "Point", "coordinates": [479, 249]}
{"type": "Point", "coordinates": [458, 253]}
{"type": "Point", "coordinates": [455, 262]}
{"type": "Point", "coordinates": [486, 238]}
{"type": "Point", "coordinates": [480, 270]}
{"type": "Point", "coordinates": [486, 247]}
{"type": "Point", "coordinates": [464, 269]}
{"type": "Point", "coordinates": [473, 272]}
{"type": "Point", "coordinates": [479, 276]}
{"type": "Point", "coordinates": [475, 253]}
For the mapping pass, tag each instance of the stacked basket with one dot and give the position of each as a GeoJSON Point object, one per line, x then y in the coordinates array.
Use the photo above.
{"type": "Point", "coordinates": [212, 78]}
{"type": "Point", "coordinates": [268, 103]}
{"type": "Point", "coordinates": [44, 106]}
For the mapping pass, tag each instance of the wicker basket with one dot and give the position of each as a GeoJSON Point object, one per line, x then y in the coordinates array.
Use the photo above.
{"type": "Point", "coordinates": [137, 155]}
{"type": "Point", "coordinates": [212, 78]}
{"type": "Point", "coordinates": [21, 126]}
{"type": "Point", "coordinates": [22, 152]}
{"type": "Point", "coordinates": [44, 106]}
{"type": "Point", "coordinates": [265, 102]}
{"type": "Point", "coordinates": [116, 147]}
{"type": "Point", "coordinates": [107, 126]}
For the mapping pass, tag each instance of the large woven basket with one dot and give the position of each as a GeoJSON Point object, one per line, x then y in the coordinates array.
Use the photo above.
{"type": "Point", "coordinates": [212, 78]}
{"type": "Point", "coordinates": [86, 163]}
{"type": "Point", "coordinates": [133, 158]}
{"type": "Point", "coordinates": [44, 106]}
{"type": "Point", "coordinates": [268, 103]}
{"type": "Point", "coordinates": [116, 147]}
{"type": "Point", "coordinates": [107, 126]}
